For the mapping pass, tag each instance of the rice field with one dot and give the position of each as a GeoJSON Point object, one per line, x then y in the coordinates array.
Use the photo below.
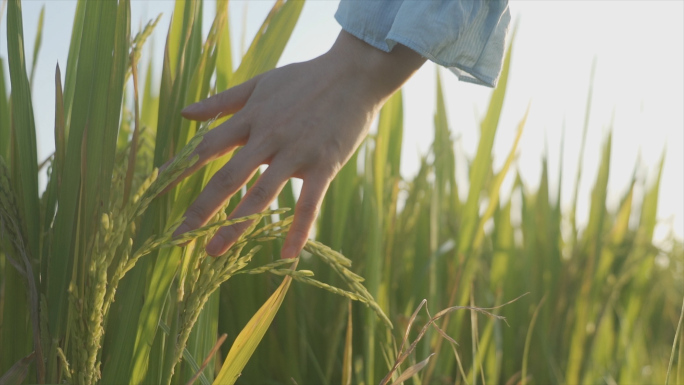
{"type": "Point", "coordinates": [406, 281]}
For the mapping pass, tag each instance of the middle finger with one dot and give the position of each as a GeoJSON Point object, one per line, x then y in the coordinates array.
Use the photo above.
{"type": "Point", "coordinates": [226, 182]}
{"type": "Point", "coordinates": [257, 199]}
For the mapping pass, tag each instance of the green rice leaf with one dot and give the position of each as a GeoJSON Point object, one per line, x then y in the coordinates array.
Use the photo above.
{"type": "Point", "coordinates": [592, 245]}
{"type": "Point", "coordinates": [649, 207]}
{"type": "Point", "coordinates": [347, 360]}
{"type": "Point", "coordinates": [496, 186]}
{"type": "Point", "coordinates": [66, 221]}
{"type": "Point", "coordinates": [114, 94]}
{"type": "Point", "coordinates": [390, 125]}
{"type": "Point", "coordinates": [72, 60]}
{"type": "Point", "coordinates": [5, 134]}
{"type": "Point", "coordinates": [483, 158]}
{"type": "Point", "coordinates": [580, 160]}
{"type": "Point", "coordinates": [224, 56]}
{"type": "Point", "coordinates": [37, 43]}
{"type": "Point", "coordinates": [25, 164]}
{"type": "Point", "coordinates": [269, 43]}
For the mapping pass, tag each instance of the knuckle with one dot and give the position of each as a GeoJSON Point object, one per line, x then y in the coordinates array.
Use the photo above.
{"type": "Point", "coordinates": [223, 234]}
{"type": "Point", "coordinates": [246, 114]}
{"type": "Point", "coordinates": [317, 154]}
{"type": "Point", "coordinates": [231, 233]}
{"type": "Point", "coordinates": [202, 148]}
{"type": "Point", "coordinates": [328, 170]}
{"type": "Point", "coordinates": [308, 208]}
{"type": "Point", "coordinates": [195, 216]}
{"type": "Point", "coordinates": [251, 112]}
{"type": "Point", "coordinates": [258, 195]}
{"type": "Point", "coordinates": [299, 234]}
{"type": "Point", "coordinates": [225, 178]}
{"type": "Point", "coordinates": [276, 136]}
{"type": "Point", "coordinates": [268, 139]}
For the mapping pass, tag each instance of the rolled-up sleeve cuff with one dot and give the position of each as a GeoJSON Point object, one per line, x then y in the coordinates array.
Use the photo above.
{"type": "Point", "coordinates": [468, 37]}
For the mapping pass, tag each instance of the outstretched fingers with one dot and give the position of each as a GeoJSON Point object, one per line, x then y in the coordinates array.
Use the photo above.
{"type": "Point", "coordinates": [222, 186]}
{"type": "Point", "coordinates": [257, 199]}
{"type": "Point", "coordinates": [306, 210]}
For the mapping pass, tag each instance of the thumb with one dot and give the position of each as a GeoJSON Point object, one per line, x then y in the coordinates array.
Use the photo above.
{"type": "Point", "coordinates": [224, 103]}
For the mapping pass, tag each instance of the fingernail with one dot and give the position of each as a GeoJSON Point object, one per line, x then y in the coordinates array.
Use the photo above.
{"type": "Point", "coordinates": [182, 229]}
{"type": "Point", "coordinates": [215, 246]}
{"type": "Point", "coordinates": [190, 109]}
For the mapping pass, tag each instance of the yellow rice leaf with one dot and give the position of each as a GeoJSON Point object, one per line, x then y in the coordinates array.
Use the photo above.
{"type": "Point", "coordinates": [412, 371]}
{"type": "Point", "coordinates": [347, 360]}
{"type": "Point", "coordinates": [246, 342]}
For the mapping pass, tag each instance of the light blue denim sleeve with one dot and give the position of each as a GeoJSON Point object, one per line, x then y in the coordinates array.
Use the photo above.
{"type": "Point", "coordinates": [466, 36]}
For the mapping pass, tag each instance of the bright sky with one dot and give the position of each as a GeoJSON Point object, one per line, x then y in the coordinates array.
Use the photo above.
{"type": "Point", "coordinates": [639, 46]}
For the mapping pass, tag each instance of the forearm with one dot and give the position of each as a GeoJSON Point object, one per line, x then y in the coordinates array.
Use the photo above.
{"type": "Point", "coordinates": [381, 72]}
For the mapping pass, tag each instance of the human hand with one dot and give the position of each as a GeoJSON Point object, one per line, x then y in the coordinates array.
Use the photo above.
{"type": "Point", "coordinates": [304, 120]}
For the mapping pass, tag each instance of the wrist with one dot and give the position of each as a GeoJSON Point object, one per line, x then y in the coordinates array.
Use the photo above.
{"type": "Point", "coordinates": [381, 72]}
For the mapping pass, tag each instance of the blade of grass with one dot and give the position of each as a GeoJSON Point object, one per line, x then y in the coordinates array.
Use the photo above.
{"type": "Point", "coordinates": [66, 221]}
{"type": "Point", "coordinates": [187, 357]}
{"type": "Point", "coordinates": [12, 224]}
{"type": "Point", "coordinates": [115, 88]}
{"type": "Point", "coordinates": [496, 186]}
{"type": "Point", "coordinates": [412, 370]}
{"type": "Point", "coordinates": [93, 180]}
{"type": "Point", "coordinates": [211, 353]}
{"type": "Point", "coordinates": [246, 342]}
{"type": "Point", "coordinates": [592, 248]}
{"type": "Point", "coordinates": [5, 135]}
{"type": "Point", "coordinates": [24, 164]}
{"type": "Point", "coordinates": [136, 134]}
{"type": "Point", "coordinates": [482, 162]}
{"type": "Point", "coordinates": [17, 373]}
{"type": "Point", "coordinates": [60, 134]}
{"type": "Point", "coordinates": [674, 345]}
{"type": "Point", "coordinates": [72, 60]}
{"type": "Point", "coordinates": [528, 340]}
{"type": "Point", "coordinates": [37, 43]}
{"type": "Point", "coordinates": [224, 56]}
{"type": "Point", "coordinates": [26, 161]}
{"type": "Point", "coordinates": [390, 123]}
{"type": "Point", "coordinates": [373, 220]}
{"type": "Point", "coordinates": [347, 356]}
{"type": "Point", "coordinates": [680, 360]}
{"type": "Point", "coordinates": [124, 335]}
{"type": "Point", "coordinates": [580, 159]}
{"type": "Point", "coordinates": [15, 340]}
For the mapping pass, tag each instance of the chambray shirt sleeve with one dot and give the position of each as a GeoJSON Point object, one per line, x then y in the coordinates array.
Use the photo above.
{"type": "Point", "coordinates": [466, 36]}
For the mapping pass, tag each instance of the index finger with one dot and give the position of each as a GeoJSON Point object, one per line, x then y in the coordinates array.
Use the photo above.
{"type": "Point", "coordinates": [222, 104]}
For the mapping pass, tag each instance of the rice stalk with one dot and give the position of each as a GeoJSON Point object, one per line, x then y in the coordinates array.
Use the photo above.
{"type": "Point", "coordinates": [12, 224]}
{"type": "Point", "coordinates": [674, 345]}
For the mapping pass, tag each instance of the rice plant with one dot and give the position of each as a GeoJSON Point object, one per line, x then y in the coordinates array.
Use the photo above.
{"type": "Point", "coordinates": [95, 289]}
{"type": "Point", "coordinates": [599, 307]}
{"type": "Point", "coordinates": [439, 283]}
